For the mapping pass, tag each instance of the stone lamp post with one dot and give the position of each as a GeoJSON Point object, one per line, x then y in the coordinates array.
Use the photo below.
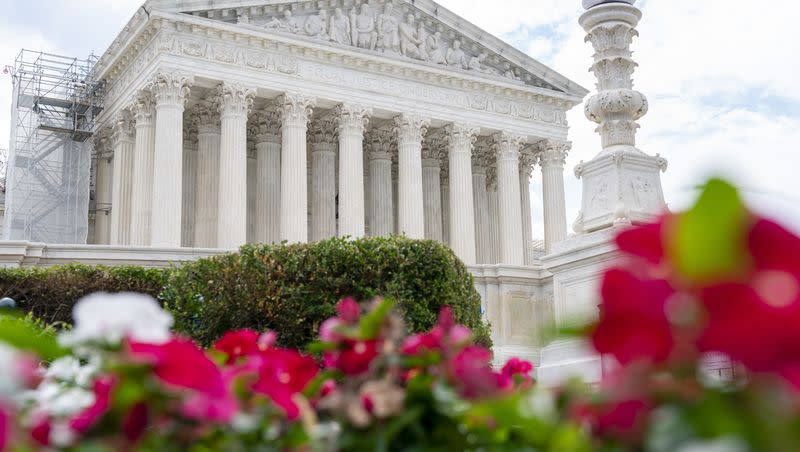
{"type": "Point", "coordinates": [621, 184]}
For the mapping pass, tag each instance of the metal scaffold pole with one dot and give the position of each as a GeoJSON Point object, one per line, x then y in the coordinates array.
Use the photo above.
{"type": "Point", "coordinates": [55, 102]}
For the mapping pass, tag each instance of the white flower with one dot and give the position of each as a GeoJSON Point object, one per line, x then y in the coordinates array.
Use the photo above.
{"type": "Point", "coordinates": [70, 370]}
{"type": "Point", "coordinates": [59, 400]}
{"type": "Point", "coordinates": [106, 319]}
{"type": "Point", "coordinates": [9, 377]}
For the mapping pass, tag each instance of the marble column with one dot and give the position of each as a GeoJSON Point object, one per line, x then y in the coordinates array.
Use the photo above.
{"type": "Point", "coordinates": [103, 190]}
{"type": "Point", "coordinates": [252, 169]}
{"type": "Point", "coordinates": [206, 199]}
{"type": "Point", "coordinates": [526, 162]}
{"type": "Point", "coordinates": [381, 198]}
{"type": "Point", "coordinates": [481, 199]}
{"type": "Point", "coordinates": [144, 149]}
{"type": "Point", "coordinates": [235, 102]}
{"type": "Point", "coordinates": [189, 182]}
{"type": "Point", "coordinates": [296, 110]}
{"type": "Point", "coordinates": [445, 189]}
{"type": "Point", "coordinates": [395, 193]}
{"type": "Point", "coordinates": [460, 139]}
{"type": "Point", "coordinates": [493, 206]}
{"type": "Point", "coordinates": [122, 194]}
{"type": "Point", "coordinates": [267, 134]}
{"type": "Point", "coordinates": [170, 90]}
{"type": "Point", "coordinates": [322, 136]}
{"type": "Point", "coordinates": [353, 120]}
{"type": "Point", "coordinates": [552, 158]}
{"type": "Point", "coordinates": [507, 148]}
{"type": "Point", "coordinates": [432, 194]}
{"type": "Point", "coordinates": [410, 129]}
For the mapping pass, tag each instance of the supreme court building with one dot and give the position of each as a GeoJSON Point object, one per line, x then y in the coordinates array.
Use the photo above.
{"type": "Point", "coordinates": [227, 122]}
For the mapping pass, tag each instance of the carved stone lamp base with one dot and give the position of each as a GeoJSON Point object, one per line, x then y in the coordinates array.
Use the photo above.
{"type": "Point", "coordinates": [621, 185]}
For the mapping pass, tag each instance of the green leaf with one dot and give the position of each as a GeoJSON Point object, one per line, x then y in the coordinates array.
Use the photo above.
{"type": "Point", "coordinates": [710, 239]}
{"type": "Point", "coordinates": [371, 323]}
{"type": "Point", "coordinates": [22, 334]}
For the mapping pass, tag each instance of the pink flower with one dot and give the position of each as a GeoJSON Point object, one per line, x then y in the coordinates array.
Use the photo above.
{"type": "Point", "coordinates": [282, 374]}
{"type": "Point", "coordinates": [238, 344]}
{"type": "Point", "coordinates": [328, 388]}
{"type": "Point", "coordinates": [517, 369]}
{"type": "Point", "coordinates": [181, 364]}
{"type": "Point", "coordinates": [633, 321]}
{"type": "Point", "coordinates": [354, 357]}
{"type": "Point", "coordinates": [349, 311]}
{"type": "Point", "coordinates": [328, 331]}
{"type": "Point", "coordinates": [472, 373]}
{"type": "Point", "coordinates": [446, 336]}
{"type": "Point", "coordinates": [87, 419]}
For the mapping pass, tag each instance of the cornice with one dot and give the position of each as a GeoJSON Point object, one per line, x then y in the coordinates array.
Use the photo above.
{"type": "Point", "coordinates": [143, 29]}
{"type": "Point", "coordinates": [429, 7]}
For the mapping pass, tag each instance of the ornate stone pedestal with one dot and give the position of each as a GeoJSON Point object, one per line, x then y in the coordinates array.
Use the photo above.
{"type": "Point", "coordinates": [622, 184]}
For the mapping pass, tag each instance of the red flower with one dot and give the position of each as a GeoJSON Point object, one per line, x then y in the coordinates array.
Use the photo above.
{"type": "Point", "coordinates": [238, 344]}
{"type": "Point", "coordinates": [517, 369]}
{"type": "Point", "coordinates": [328, 388]}
{"type": "Point", "coordinates": [633, 322]}
{"type": "Point", "coordinates": [644, 241]}
{"type": "Point", "coordinates": [87, 419]}
{"type": "Point", "coordinates": [40, 433]}
{"type": "Point", "coordinates": [181, 364]}
{"type": "Point", "coordinates": [349, 311]}
{"type": "Point", "coordinates": [135, 423]}
{"type": "Point", "coordinates": [354, 357]}
{"type": "Point", "coordinates": [624, 419]}
{"type": "Point", "coordinates": [472, 373]}
{"type": "Point", "coordinates": [5, 420]}
{"type": "Point", "coordinates": [282, 374]}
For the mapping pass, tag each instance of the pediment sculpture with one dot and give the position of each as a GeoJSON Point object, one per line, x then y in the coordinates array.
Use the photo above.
{"type": "Point", "coordinates": [387, 29]}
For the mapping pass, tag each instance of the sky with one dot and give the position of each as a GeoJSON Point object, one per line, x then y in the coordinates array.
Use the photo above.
{"type": "Point", "coordinates": [721, 77]}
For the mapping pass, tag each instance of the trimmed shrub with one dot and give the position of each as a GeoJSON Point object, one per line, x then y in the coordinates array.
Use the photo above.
{"type": "Point", "coordinates": [290, 289]}
{"type": "Point", "coordinates": [50, 293]}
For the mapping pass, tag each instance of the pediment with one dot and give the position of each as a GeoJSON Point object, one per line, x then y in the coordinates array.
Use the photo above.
{"type": "Point", "coordinates": [413, 30]}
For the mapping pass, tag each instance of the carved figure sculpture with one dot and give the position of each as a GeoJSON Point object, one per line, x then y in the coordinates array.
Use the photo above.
{"type": "Point", "coordinates": [422, 36]}
{"type": "Point", "coordinates": [340, 28]}
{"type": "Point", "coordinates": [364, 32]}
{"type": "Point", "coordinates": [409, 44]}
{"type": "Point", "coordinates": [477, 64]}
{"type": "Point", "coordinates": [288, 23]}
{"type": "Point", "coordinates": [436, 48]}
{"type": "Point", "coordinates": [388, 31]}
{"type": "Point", "coordinates": [317, 26]}
{"type": "Point", "coordinates": [456, 57]}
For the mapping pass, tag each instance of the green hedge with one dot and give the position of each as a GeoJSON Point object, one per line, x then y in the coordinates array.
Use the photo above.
{"type": "Point", "coordinates": [290, 289]}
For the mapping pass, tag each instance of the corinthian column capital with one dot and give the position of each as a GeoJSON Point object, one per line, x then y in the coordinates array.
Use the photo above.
{"type": "Point", "coordinates": [507, 145]}
{"type": "Point", "coordinates": [553, 152]}
{"type": "Point", "coordinates": [123, 127]}
{"type": "Point", "coordinates": [143, 107]}
{"type": "Point", "coordinates": [527, 160]}
{"type": "Point", "coordinates": [296, 109]}
{"type": "Point", "coordinates": [460, 136]}
{"type": "Point", "coordinates": [171, 88]}
{"type": "Point", "coordinates": [353, 118]}
{"type": "Point", "coordinates": [411, 127]}
{"type": "Point", "coordinates": [266, 125]}
{"type": "Point", "coordinates": [235, 99]}
{"type": "Point", "coordinates": [324, 130]}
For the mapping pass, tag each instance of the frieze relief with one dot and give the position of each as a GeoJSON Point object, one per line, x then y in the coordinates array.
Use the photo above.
{"type": "Point", "coordinates": [254, 56]}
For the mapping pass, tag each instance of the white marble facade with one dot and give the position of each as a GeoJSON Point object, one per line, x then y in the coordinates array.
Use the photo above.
{"type": "Point", "coordinates": [337, 118]}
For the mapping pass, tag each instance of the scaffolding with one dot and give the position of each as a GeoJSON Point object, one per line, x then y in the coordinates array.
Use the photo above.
{"type": "Point", "coordinates": [54, 105]}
